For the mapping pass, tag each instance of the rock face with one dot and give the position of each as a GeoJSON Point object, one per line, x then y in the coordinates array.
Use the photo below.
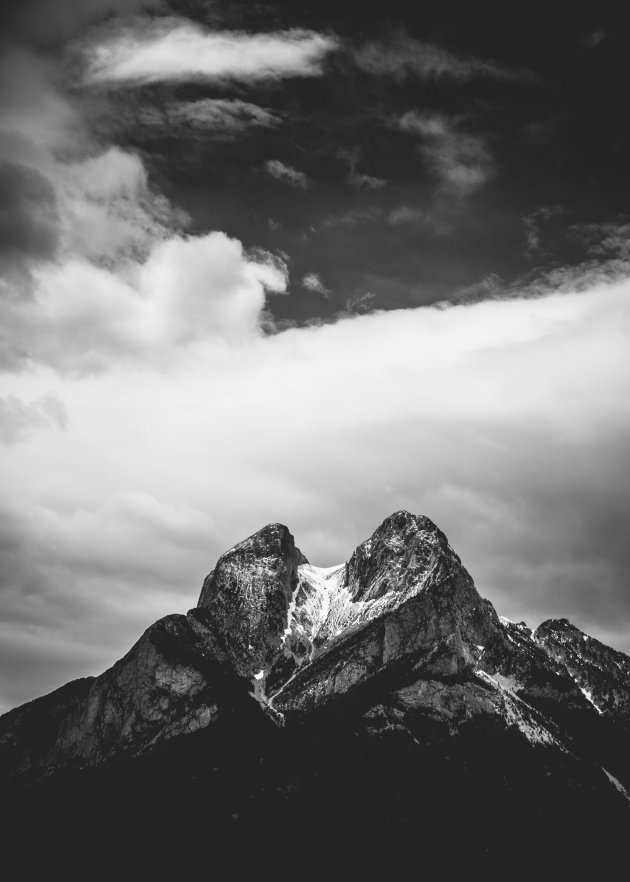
{"type": "Point", "coordinates": [245, 600]}
{"type": "Point", "coordinates": [391, 660]}
{"type": "Point", "coordinates": [166, 686]}
{"type": "Point", "coordinates": [403, 602]}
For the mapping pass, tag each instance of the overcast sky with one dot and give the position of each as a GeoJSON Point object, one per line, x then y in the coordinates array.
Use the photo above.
{"type": "Point", "coordinates": [312, 265]}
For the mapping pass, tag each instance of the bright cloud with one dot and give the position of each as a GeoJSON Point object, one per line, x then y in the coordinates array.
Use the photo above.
{"type": "Point", "coordinates": [177, 50]}
{"type": "Point", "coordinates": [84, 317]}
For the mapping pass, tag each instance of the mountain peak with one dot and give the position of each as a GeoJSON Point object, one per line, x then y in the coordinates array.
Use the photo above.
{"type": "Point", "coordinates": [557, 625]}
{"type": "Point", "coordinates": [244, 601]}
{"type": "Point", "coordinates": [403, 519]}
{"type": "Point", "coordinates": [399, 552]}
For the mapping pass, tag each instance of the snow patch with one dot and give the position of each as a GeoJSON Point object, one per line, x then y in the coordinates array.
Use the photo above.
{"type": "Point", "coordinates": [617, 784]}
{"type": "Point", "coordinates": [587, 694]}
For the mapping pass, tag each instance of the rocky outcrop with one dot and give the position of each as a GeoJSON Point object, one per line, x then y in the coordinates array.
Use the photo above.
{"type": "Point", "coordinates": [166, 686]}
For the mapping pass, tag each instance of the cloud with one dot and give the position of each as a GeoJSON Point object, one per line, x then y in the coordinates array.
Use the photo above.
{"type": "Point", "coordinates": [225, 116]}
{"type": "Point", "coordinates": [433, 220]}
{"type": "Point", "coordinates": [366, 182]}
{"type": "Point", "coordinates": [535, 223]}
{"type": "Point", "coordinates": [358, 179]}
{"type": "Point", "coordinates": [28, 223]}
{"type": "Point", "coordinates": [506, 421]}
{"type": "Point", "coordinates": [400, 56]}
{"type": "Point", "coordinates": [95, 267]}
{"type": "Point", "coordinates": [172, 50]}
{"type": "Point", "coordinates": [287, 173]}
{"type": "Point", "coordinates": [18, 419]}
{"type": "Point", "coordinates": [312, 282]}
{"type": "Point", "coordinates": [461, 161]}
{"type": "Point", "coordinates": [606, 259]}
{"type": "Point", "coordinates": [108, 210]}
{"type": "Point", "coordinates": [86, 318]}
{"type": "Point", "coordinates": [595, 38]}
{"type": "Point", "coordinates": [65, 194]}
{"type": "Point", "coordinates": [608, 240]}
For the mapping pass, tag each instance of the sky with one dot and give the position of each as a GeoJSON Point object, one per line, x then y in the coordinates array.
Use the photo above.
{"type": "Point", "coordinates": [312, 265]}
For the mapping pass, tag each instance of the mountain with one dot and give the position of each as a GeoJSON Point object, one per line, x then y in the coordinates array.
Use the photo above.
{"type": "Point", "coordinates": [378, 701]}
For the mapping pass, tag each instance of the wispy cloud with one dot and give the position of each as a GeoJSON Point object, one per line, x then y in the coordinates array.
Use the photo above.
{"type": "Point", "coordinates": [228, 117]}
{"type": "Point", "coordinates": [366, 182]}
{"type": "Point", "coordinates": [286, 173]}
{"type": "Point", "coordinates": [359, 180]}
{"type": "Point", "coordinates": [420, 217]}
{"type": "Point", "coordinates": [400, 56]}
{"type": "Point", "coordinates": [312, 282]}
{"type": "Point", "coordinates": [179, 50]}
{"type": "Point", "coordinates": [460, 160]}
{"type": "Point", "coordinates": [609, 239]}
{"type": "Point", "coordinates": [595, 38]}
{"type": "Point", "coordinates": [534, 224]}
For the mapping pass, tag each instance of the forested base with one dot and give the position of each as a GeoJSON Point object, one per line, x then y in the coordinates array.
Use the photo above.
{"type": "Point", "coordinates": [252, 793]}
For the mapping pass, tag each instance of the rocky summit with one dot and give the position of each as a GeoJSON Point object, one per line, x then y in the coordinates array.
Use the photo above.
{"type": "Point", "coordinates": [381, 699]}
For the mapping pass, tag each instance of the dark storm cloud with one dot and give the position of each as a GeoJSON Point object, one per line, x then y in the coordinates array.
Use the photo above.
{"type": "Point", "coordinates": [28, 224]}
